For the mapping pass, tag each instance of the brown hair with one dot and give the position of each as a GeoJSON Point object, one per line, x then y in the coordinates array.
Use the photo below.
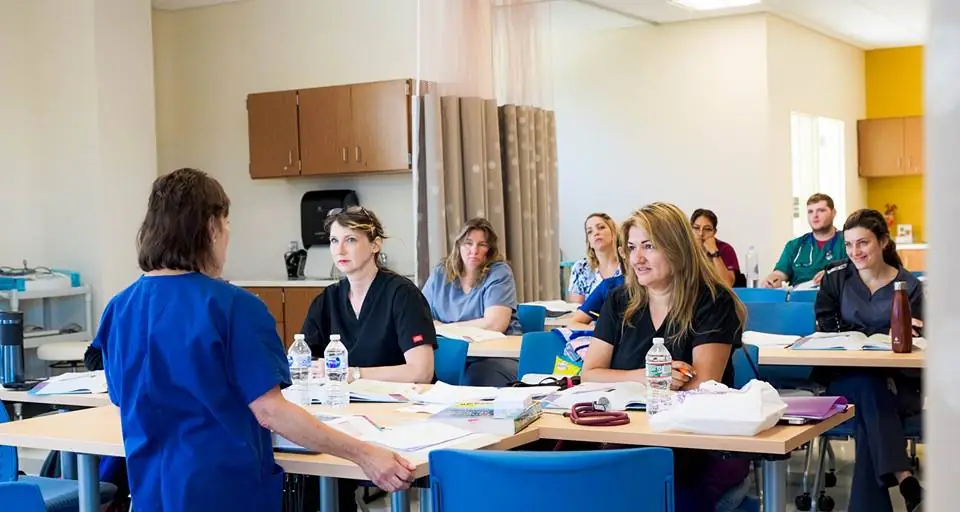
{"type": "Point", "coordinates": [617, 242]}
{"type": "Point", "coordinates": [873, 220]}
{"type": "Point", "coordinates": [816, 198]}
{"type": "Point", "coordinates": [453, 265]}
{"type": "Point", "coordinates": [670, 232]}
{"type": "Point", "coordinates": [703, 212]}
{"type": "Point", "coordinates": [175, 233]}
{"type": "Point", "coordinates": [358, 218]}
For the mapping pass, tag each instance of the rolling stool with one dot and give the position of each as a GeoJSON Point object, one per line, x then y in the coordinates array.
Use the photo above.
{"type": "Point", "coordinates": [64, 355]}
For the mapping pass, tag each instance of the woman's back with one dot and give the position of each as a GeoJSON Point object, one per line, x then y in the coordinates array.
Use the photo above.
{"type": "Point", "coordinates": [184, 355]}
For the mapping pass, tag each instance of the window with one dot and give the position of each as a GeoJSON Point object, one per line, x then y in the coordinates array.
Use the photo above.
{"type": "Point", "coordinates": [818, 161]}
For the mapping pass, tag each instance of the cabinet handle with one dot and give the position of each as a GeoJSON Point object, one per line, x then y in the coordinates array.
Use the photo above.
{"type": "Point", "coordinates": [343, 152]}
{"type": "Point", "coordinates": [899, 162]}
{"type": "Point", "coordinates": [289, 157]}
{"type": "Point", "coordinates": [357, 152]}
{"type": "Point", "coordinates": [910, 162]}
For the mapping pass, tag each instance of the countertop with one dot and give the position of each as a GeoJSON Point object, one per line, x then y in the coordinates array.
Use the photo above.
{"type": "Point", "coordinates": [912, 247]}
{"type": "Point", "coordinates": [282, 283]}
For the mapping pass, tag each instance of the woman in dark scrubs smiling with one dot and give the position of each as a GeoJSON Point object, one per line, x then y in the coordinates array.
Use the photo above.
{"type": "Point", "coordinates": [857, 295]}
{"type": "Point", "coordinates": [672, 292]}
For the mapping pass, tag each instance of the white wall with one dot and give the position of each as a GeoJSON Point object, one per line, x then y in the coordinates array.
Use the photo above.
{"type": "Point", "coordinates": [675, 113]}
{"type": "Point", "coordinates": [698, 114]}
{"type": "Point", "coordinates": [814, 74]}
{"type": "Point", "coordinates": [209, 59]}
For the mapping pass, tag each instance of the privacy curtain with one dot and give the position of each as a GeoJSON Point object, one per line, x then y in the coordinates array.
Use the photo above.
{"type": "Point", "coordinates": [499, 163]}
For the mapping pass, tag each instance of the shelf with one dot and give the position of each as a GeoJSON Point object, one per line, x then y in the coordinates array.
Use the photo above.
{"type": "Point", "coordinates": [45, 294]}
{"type": "Point", "coordinates": [36, 341]}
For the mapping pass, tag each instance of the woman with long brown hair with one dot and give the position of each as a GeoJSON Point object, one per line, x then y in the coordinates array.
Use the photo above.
{"type": "Point", "coordinates": [603, 259]}
{"type": "Point", "coordinates": [672, 292]}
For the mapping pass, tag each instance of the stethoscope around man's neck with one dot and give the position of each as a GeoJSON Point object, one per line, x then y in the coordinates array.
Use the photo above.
{"type": "Point", "coordinates": [810, 238]}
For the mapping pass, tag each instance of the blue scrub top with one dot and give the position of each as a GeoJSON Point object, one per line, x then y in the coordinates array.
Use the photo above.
{"type": "Point", "coordinates": [184, 355]}
{"type": "Point", "coordinates": [448, 302]}
{"type": "Point", "coordinates": [594, 303]}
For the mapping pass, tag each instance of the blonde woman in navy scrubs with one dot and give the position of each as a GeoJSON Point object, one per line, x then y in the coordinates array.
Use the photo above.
{"type": "Point", "coordinates": [475, 287]}
{"type": "Point", "coordinates": [196, 367]}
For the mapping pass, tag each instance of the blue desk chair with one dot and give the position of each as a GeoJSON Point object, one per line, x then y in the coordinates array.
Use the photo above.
{"type": "Point", "coordinates": [761, 294]}
{"type": "Point", "coordinates": [794, 318]}
{"type": "Point", "coordinates": [803, 296]}
{"type": "Point", "coordinates": [532, 317]}
{"type": "Point", "coordinates": [450, 360]}
{"type": "Point", "coordinates": [460, 481]}
{"type": "Point", "coordinates": [57, 494]}
{"type": "Point", "coordinates": [744, 369]}
{"type": "Point", "coordinates": [22, 497]}
{"type": "Point", "coordinates": [538, 352]}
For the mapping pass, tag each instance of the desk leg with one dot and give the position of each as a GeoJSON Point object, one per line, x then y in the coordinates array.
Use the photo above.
{"type": "Point", "coordinates": [425, 500]}
{"type": "Point", "coordinates": [775, 485]}
{"type": "Point", "coordinates": [68, 465]}
{"type": "Point", "coordinates": [329, 499]}
{"type": "Point", "coordinates": [89, 483]}
{"type": "Point", "coordinates": [400, 501]}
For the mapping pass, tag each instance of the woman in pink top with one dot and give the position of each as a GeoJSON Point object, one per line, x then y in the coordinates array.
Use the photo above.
{"type": "Point", "coordinates": [721, 254]}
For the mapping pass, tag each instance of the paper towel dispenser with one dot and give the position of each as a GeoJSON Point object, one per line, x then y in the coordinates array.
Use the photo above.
{"type": "Point", "coordinates": [314, 207]}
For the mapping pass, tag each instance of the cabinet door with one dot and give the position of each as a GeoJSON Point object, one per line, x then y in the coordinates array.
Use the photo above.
{"type": "Point", "coordinates": [325, 136]}
{"type": "Point", "coordinates": [914, 260]}
{"type": "Point", "coordinates": [297, 304]}
{"type": "Point", "coordinates": [913, 144]}
{"type": "Point", "coordinates": [880, 143]}
{"type": "Point", "coordinates": [381, 126]}
{"type": "Point", "coordinates": [272, 134]}
{"type": "Point", "coordinates": [273, 298]}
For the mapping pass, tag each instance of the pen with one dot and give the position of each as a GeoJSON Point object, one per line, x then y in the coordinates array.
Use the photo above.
{"type": "Point", "coordinates": [688, 374]}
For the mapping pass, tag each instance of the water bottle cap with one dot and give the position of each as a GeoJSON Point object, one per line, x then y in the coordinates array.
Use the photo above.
{"type": "Point", "coordinates": [900, 285]}
{"type": "Point", "coordinates": [658, 341]}
{"type": "Point", "coordinates": [298, 337]}
{"type": "Point", "coordinates": [334, 337]}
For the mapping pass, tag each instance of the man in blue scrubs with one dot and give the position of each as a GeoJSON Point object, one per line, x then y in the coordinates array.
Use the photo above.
{"type": "Point", "coordinates": [196, 367]}
{"type": "Point", "coordinates": [804, 258]}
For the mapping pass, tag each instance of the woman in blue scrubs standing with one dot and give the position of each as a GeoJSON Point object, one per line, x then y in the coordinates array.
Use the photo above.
{"type": "Point", "coordinates": [196, 367]}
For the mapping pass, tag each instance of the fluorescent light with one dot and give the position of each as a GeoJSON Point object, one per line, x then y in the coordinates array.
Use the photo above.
{"type": "Point", "coordinates": [709, 5]}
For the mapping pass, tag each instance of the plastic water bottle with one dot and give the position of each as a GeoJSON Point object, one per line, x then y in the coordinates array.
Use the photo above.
{"type": "Point", "coordinates": [299, 357]}
{"type": "Point", "coordinates": [659, 376]}
{"type": "Point", "coordinates": [753, 268]}
{"type": "Point", "coordinates": [336, 367]}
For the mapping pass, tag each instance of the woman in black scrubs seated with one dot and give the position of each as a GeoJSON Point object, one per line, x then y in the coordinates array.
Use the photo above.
{"type": "Point", "coordinates": [672, 292]}
{"type": "Point", "coordinates": [857, 295]}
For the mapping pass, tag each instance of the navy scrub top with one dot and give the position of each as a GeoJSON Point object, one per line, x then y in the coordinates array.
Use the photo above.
{"type": "Point", "coordinates": [394, 318]}
{"type": "Point", "coordinates": [184, 355]}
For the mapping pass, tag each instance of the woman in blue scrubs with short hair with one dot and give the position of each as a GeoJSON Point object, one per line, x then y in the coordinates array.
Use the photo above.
{"type": "Point", "coordinates": [196, 367]}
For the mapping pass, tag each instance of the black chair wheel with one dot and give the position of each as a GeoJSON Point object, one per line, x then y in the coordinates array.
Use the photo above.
{"type": "Point", "coordinates": [803, 502]}
{"type": "Point", "coordinates": [825, 503]}
{"type": "Point", "coordinates": [830, 479]}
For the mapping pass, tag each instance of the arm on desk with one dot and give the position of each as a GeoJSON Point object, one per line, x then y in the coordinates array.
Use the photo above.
{"type": "Point", "coordinates": [596, 366]}
{"type": "Point", "coordinates": [386, 469]}
{"type": "Point", "coordinates": [418, 369]}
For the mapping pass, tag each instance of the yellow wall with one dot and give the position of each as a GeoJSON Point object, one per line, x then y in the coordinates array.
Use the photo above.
{"type": "Point", "coordinates": [894, 82]}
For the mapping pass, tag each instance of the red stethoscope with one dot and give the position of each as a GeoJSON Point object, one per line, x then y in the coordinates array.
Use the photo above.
{"type": "Point", "coordinates": [595, 414]}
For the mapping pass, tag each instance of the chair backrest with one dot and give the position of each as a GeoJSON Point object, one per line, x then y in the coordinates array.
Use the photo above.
{"type": "Point", "coordinates": [796, 318]}
{"type": "Point", "coordinates": [538, 352]}
{"type": "Point", "coordinates": [803, 296]}
{"type": "Point", "coordinates": [532, 317]}
{"type": "Point", "coordinates": [744, 369]}
{"type": "Point", "coordinates": [450, 360]}
{"type": "Point", "coordinates": [461, 480]}
{"type": "Point", "coordinates": [761, 294]}
{"type": "Point", "coordinates": [22, 497]}
{"type": "Point", "coordinates": [8, 454]}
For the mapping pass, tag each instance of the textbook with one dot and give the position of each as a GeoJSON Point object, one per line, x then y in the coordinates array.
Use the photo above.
{"type": "Point", "coordinates": [849, 340]}
{"type": "Point", "coordinates": [479, 417]}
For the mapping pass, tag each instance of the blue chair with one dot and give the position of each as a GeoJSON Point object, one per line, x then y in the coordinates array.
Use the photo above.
{"type": "Point", "coordinates": [745, 370]}
{"type": "Point", "coordinates": [538, 352]}
{"type": "Point", "coordinates": [57, 494]}
{"type": "Point", "coordinates": [532, 317]}
{"type": "Point", "coordinates": [803, 296]}
{"type": "Point", "coordinates": [22, 497]}
{"type": "Point", "coordinates": [761, 294]}
{"type": "Point", "coordinates": [460, 481]}
{"type": "Point", "coordinates": [450, 360]}
{"type": "Point", "coordinates": [794, 318]}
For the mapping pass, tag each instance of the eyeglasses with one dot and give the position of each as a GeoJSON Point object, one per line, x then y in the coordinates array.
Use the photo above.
{"type": "Point", "coordinates": [703, 229]}
{"type": "Point", "coordinates": [349, 209]}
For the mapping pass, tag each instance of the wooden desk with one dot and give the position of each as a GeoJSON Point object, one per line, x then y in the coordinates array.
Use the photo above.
{"type": "Point", "coordinates": [859, 358]}
{"type": "Point", "coordinates": [508, 347]}
{"type": "Point", "coordinates": [75, 400]}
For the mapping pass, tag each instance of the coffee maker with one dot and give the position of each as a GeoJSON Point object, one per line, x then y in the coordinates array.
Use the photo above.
{"type": "Point", "coordinates": [11, 350]}
{"type": "Point", "coordinates": [295, 260]}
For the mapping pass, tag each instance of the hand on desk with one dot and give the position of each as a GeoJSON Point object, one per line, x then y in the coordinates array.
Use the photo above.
{"type": "Point", "coordinates": [386, 469]}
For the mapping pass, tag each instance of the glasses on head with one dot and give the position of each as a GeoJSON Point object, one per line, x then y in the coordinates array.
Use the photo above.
{"type": "Point", "coordinates": [349, 209]}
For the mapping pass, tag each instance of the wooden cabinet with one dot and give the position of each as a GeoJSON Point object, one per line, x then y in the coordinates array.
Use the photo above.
{"type": "Point", "coordinates": [288, 306]}
{"type": "Point", "coordinates": [330, 130]}
{"type": "Point", "coordinates": [297, 304]}
{"type": "Point", "coordinates": [891, 146]}
{"type": "Point", "coordinates": [914, 260]}
{"type": "Point", "coordinates": [274, 138]}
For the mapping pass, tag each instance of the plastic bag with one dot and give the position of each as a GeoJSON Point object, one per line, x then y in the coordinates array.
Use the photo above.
{"type": "Point", "coordinates": [715, 409]}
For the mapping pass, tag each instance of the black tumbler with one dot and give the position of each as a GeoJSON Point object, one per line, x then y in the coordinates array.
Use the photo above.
{"type": "Point", "coordinates": [11, 348]}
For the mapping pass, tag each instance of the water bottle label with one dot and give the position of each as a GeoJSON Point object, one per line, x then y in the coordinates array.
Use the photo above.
{"type": "Point", "coordinates": [659, 371]}
{"type": "Point", "coordinates": [333, 362]}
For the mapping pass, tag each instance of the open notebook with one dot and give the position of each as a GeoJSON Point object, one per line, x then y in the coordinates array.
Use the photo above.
{"type": "Point", "coordinates": [850, 340]}
{"type": "Point", "coordinates": [459, 332]}
{"type": "Point", "coordinates": [623, 396]}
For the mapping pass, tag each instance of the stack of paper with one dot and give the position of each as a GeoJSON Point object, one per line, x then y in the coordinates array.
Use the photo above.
{"type": "Point", "coordinates": [366, 390]}
{"type": "Point", "coordinates": [73, 383]}
{"type": "Point", "coordinates": [359, 427]}
{"type": "Point", "coordinates": [622, 396]}
{"type": "Point", "coordinates": [417, 436]}
{"type": "Point", "coordinates": [442, 393]}
{"type": "Point", "coordinates": [465, 333]}
{"type": "Point", "coordinates": [764, 339]}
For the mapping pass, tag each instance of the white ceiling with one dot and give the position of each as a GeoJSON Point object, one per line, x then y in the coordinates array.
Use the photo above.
{"type": "Point", "coordinates": [865, 23]}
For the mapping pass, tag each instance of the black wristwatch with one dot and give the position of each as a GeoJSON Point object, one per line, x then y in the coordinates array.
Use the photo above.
{"type": "Point", "coordinates": [714, 254]}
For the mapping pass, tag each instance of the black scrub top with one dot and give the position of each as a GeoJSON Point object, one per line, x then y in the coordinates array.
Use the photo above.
{"type": "Point", "coordinates": [394, 318]}
{"type": "Point", "coordinates": [859, 309]}
{"type": "Point", "coordinates": [714, 321]}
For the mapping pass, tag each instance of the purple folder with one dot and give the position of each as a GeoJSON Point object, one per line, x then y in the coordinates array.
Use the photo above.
{"type": "Point", "coordinates": [814, 407]}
